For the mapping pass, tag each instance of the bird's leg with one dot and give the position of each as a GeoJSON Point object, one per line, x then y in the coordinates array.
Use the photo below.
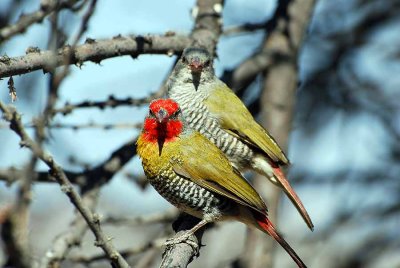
{"type": "Point", "coordinates": [186, 234]}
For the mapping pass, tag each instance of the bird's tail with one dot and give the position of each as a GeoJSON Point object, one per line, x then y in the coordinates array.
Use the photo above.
{"type": "Point", "coordinates": [284, 183]}
{"type": "Point", "coordinates": [264, 224]}
{"type": "Point", "coordinates": [275, 175]}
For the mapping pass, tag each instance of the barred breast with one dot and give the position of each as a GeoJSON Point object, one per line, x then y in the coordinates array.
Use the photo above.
{"type": "Point", "coordinates": [200, 119]}
{"type": "Point", "coordinates": [190, 197]}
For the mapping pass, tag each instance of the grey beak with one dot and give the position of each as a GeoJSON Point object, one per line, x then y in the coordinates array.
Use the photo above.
{"type": "Point", "coordinates": [161, 115]}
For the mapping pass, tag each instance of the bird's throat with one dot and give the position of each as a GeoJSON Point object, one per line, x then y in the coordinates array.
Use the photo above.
{"type": "Point", "coordinates": [196, 79]}
{"type": "Point", "coordinates": [161, 133]}
{"type": "Point", "coordinates": [161, 137]}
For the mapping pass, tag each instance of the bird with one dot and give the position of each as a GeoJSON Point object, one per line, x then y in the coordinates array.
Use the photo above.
{"type": "Point", "coordinates": [213, 109]}
{"type": "Point", "coordinates": [194, 175]}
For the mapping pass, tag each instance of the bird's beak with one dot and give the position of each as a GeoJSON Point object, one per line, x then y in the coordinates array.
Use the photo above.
{"type": "Point", "coordinates": [196, 65]}
{"type": "Point", "coordinates": [161, 116]}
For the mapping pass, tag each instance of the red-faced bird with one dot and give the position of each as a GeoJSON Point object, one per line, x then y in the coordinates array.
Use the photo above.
{"type": "Point", "coordinates": [193, 174]}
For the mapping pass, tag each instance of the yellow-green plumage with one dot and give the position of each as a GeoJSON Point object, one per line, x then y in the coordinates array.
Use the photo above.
{"type": "Point", "coordinates": [195, 158]}
{"type": "Point", "coordinates": [190, 172]}
{"type": "Point", "coordinates": [212, 108]}
{"type": "Point", "coordinates": [234, 117]}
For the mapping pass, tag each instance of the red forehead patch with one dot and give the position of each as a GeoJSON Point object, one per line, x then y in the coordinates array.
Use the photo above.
{"type": "Point", "coordinates": [167, 104]}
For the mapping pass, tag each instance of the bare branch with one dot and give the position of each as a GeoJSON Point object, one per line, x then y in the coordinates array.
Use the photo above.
{"type": "Point", "coordinates": [278, 98]}
{"type": "Point", "coordinates": [28, 19]}
{"type": "Point", "coordinates": [14, 236]}
{"type": "Point", "coordinates": [159, 217]}
{"type": "Point", "coordinates": [10, 114]}
{"type": "Point", "coordinates": [208, 23]}
{"type": "Point", "coordinates": [246, 28]}
{"type": "Point", "coordinates": [111, 102]}
{"type": "Point", "coordinates": [93, 50]}
{"type": "Point", "coordinates": [73, 236]}
{"type": "Point", "coordinates": [155, 243]}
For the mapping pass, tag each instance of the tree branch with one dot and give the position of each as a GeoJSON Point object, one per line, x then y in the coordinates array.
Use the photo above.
{"type": "Point", "coordinates": [46, 8]}
{"type": "Point", "coordinates": [208, 28]}
{"type": "Point", "coordinates": [11, 115]}
{"type": "Point", "coordinates": [278, 98]}
{"type": "Point", "coordinates": [64, 242]}
{"type": "Point", "coordinates": [111, 102]}
{"type": "Point", "coordinates": [208, 23]}
{"type": "Point", "coordinates": [180, 255]}
{"type": "Point", "coordinates": [93, 50]}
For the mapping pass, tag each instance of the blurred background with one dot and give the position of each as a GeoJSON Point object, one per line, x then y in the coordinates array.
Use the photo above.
{"type": "Point", "coordinates": [344, 143]}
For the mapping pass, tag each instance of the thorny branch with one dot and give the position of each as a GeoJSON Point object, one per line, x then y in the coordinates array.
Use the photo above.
{"type": "Point", "coordinates": [111, 102]}
{"type": "Point", "coordinates": [93, 50]}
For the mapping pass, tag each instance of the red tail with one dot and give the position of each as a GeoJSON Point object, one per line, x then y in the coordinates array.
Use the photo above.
{"type": "Point", "coordinates": [268, 227]}
{"type": "Point", "coordinates": [292, 194]}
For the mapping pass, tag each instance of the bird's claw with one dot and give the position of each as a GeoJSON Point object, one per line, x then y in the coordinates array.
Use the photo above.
{"type": "Point", "coordinates": [183, 238]}
{"type": "Point", "coordinates": [176, 240]}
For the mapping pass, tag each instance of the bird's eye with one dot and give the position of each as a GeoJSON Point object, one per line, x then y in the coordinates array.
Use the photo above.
{"type": "Point", "coordinates": [184, 60]}
{"type": "Point", "coordinates": [207, 63]}
{"type": "Point", "coordinates": [175, 115]}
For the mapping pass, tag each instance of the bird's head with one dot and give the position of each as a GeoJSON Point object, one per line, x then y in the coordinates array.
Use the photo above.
{"type": "Point", "coordinates": [164, 121]}
{"type": "Point", "coordinates": [196, 59]}
{"type": "Point", "coordinates": [194, 66]}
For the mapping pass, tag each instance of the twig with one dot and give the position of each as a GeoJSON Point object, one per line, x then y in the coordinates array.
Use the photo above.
{"type": "Point", "coordinates": [155, 243]}
{"type": "Point", "coordinates": [111, 102]}
{"type": "Point", "coordinates": [14, 236]}
{"type": "Point", "coordinates": [246, 28]}
{"type": "Point", "coordinates": [57, 79]}
{"type": "Point", "coordinates": [148, 258]}
{"type": "Point", "coordinates": [87, 126]}
{"type": "Point", "coordinates": [99, 174]}
{"type": "Point", "coordinates": [247, 71]}
{"type": "Point", "coordinates": [11, 115]}
{"type": "Point", "coordinates": [28, 19]}
{"type": "Point", "coordinates": [93, 50]}
{"type": "Point", "coordinates": [63, 243]}
{"type": "Point", "coordinates": [159, 217]}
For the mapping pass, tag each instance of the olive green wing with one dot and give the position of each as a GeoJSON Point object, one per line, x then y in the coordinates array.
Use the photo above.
{"type": "Point", "coordinates": [238, 121]}
{"type": "Point", "coordinates": [204, 164]}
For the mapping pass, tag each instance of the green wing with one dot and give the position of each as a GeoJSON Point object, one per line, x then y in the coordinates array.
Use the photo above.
{"type": "Point", "coordinates": [238, 121]}
{"type": "Point", "coordinates": [204, 164]}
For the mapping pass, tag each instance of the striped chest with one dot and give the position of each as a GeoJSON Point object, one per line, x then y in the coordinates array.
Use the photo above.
{"type": "Point", "coordinates": [200, 119]}
{"type": "Point", "coordinates": [179, 191]}
{"type": "Point", "coordinates": [185, 194]}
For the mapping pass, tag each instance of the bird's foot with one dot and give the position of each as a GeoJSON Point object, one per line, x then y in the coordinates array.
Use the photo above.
{"type": "Point", "coordinates": [185, 237]}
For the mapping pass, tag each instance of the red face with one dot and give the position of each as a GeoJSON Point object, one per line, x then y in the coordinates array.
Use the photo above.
{"type": "Point", "coordinates": [163, 123]}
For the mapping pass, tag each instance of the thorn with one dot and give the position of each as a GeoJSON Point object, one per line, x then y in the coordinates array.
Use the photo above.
{"type": "Point", "coordinates": [30, 50]}
{"type": "Point", "coordinates": [90, 41]}
{"type": "Point", "coordinates": [12, 90]}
